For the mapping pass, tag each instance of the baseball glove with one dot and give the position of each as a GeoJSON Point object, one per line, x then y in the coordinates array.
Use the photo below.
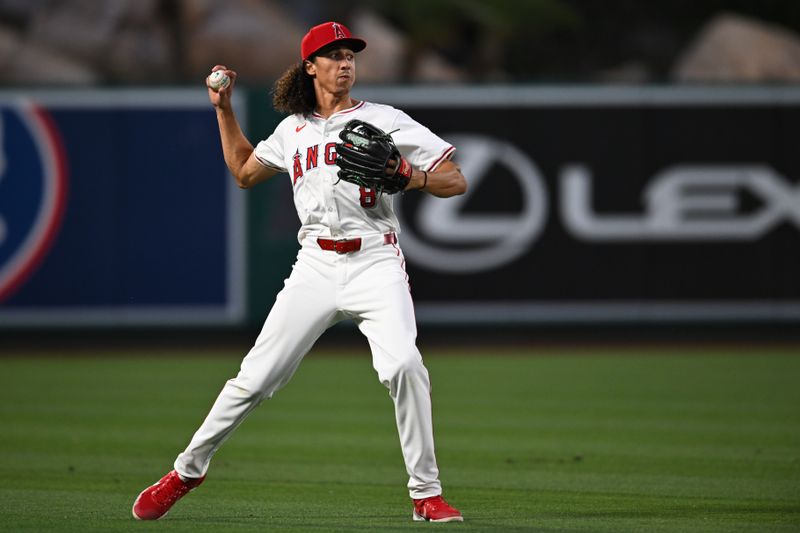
{"type": "Point", "coordinates": [368, 157]}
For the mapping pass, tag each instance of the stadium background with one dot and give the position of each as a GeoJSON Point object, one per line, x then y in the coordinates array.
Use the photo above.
{"type": "Point", "coordinates": [620, 284]}
{"type": "Point", "coordinates": [543, 83]}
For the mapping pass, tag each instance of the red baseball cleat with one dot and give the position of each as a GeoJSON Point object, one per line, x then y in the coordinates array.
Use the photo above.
{"type": "Point", "coordinates": [435, 509]}
{"type": "Point", "coordinates": [156, 500]}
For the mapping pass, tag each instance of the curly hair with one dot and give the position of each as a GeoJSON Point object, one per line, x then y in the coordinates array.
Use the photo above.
{"type": "Point", "coordinates": [294, 92]}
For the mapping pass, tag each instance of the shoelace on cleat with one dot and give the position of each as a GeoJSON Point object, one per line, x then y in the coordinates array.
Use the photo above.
{"type": "Point", "coordinates": [172, 489]}
{"type": "Point", "coordinates": [436, 504]}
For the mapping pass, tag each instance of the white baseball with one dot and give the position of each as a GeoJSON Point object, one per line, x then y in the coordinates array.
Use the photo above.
{"type": "Point", "coordinates": [218, 80]}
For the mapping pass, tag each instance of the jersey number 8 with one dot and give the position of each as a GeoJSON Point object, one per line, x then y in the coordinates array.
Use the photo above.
{"type": "Point", "coordinates": [368, 197]}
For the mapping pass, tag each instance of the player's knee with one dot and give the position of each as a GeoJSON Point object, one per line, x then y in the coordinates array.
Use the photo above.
{"type": "Point", "coordinates": [243, 389]}
{"type": "Point", "coordinates": [257, 390]}
{"type": "Point", "coordinates": [412, 366]}
{"type": "Point", "coordinates": [404, 370]}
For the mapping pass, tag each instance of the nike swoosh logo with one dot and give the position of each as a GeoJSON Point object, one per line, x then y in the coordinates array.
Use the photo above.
{"type": "Point", "coordinates": [298, 128]}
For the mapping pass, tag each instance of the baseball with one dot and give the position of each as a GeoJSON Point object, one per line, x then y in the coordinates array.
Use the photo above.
{"type": "Point", "coordinates": [218, 80]}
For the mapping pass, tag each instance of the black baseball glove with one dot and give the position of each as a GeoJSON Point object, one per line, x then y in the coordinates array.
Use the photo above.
{"type": "Point", "coordinates": [368, 157]}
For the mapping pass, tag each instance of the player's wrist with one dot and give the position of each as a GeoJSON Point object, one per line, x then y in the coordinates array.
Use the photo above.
{"type": "Point", "coordinates": [419, 180]}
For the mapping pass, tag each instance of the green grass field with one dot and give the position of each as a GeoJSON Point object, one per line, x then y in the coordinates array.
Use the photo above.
{"type": "Point", "coordinates": [564, 440]}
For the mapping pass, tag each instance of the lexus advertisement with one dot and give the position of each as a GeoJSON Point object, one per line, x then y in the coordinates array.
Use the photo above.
{"type": "Point", "coordinates": [607, 205]}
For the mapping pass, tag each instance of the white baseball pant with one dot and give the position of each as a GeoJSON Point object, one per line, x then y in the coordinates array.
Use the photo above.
{"type": "Point", "coordinates": [371, 287]}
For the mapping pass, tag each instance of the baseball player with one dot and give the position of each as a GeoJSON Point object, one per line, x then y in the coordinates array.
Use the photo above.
{"type": "Point", "coordinates": [345, 159]}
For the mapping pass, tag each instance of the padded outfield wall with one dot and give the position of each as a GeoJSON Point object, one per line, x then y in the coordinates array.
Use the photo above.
{"type": "Point", "coordinates": [586, 205]}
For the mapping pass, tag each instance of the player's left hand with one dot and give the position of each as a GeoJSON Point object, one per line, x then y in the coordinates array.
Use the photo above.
{"type": "Point", "coordinates": [368, 157]}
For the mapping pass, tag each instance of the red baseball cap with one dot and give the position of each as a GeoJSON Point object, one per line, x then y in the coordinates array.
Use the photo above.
{"type": "Point", "coordinates": [326, 33]}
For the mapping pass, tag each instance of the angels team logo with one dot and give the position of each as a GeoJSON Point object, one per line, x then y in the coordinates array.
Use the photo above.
{"type": "Point", "coordinates": [33, 187]}
{"type": "Point", "coordinates": [337, 31]}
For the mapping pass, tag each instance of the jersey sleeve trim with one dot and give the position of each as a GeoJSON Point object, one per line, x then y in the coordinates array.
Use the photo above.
{"type": "Point", "coordinates": [446, 155]}
{"type": "Point", "coordinates": [267, 164]}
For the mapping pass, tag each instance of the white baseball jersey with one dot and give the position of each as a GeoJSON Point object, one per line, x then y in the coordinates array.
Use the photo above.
{"type": "Point", "coordinates": [305, 148]}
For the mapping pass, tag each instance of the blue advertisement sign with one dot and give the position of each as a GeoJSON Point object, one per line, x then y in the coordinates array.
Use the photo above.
{"type": "Point", "coordinates": [116, 208]}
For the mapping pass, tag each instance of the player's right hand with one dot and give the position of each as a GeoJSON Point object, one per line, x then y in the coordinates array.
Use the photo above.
{"type": "Point", "coordinates": [222, 99]}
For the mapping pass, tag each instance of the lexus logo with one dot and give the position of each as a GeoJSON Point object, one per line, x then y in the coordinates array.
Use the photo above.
{"type": "Point", "coordinates": [686, 203]}
{"type": "Point", "coordinates": [449, 239]}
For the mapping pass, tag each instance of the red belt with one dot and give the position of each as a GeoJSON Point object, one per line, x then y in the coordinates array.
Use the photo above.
{"type": "Point", "coordinates": [346, 246]}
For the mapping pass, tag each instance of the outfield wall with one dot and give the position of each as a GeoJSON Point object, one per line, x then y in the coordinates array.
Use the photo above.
{"type": "Point", "coordinates": [586, 205]}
